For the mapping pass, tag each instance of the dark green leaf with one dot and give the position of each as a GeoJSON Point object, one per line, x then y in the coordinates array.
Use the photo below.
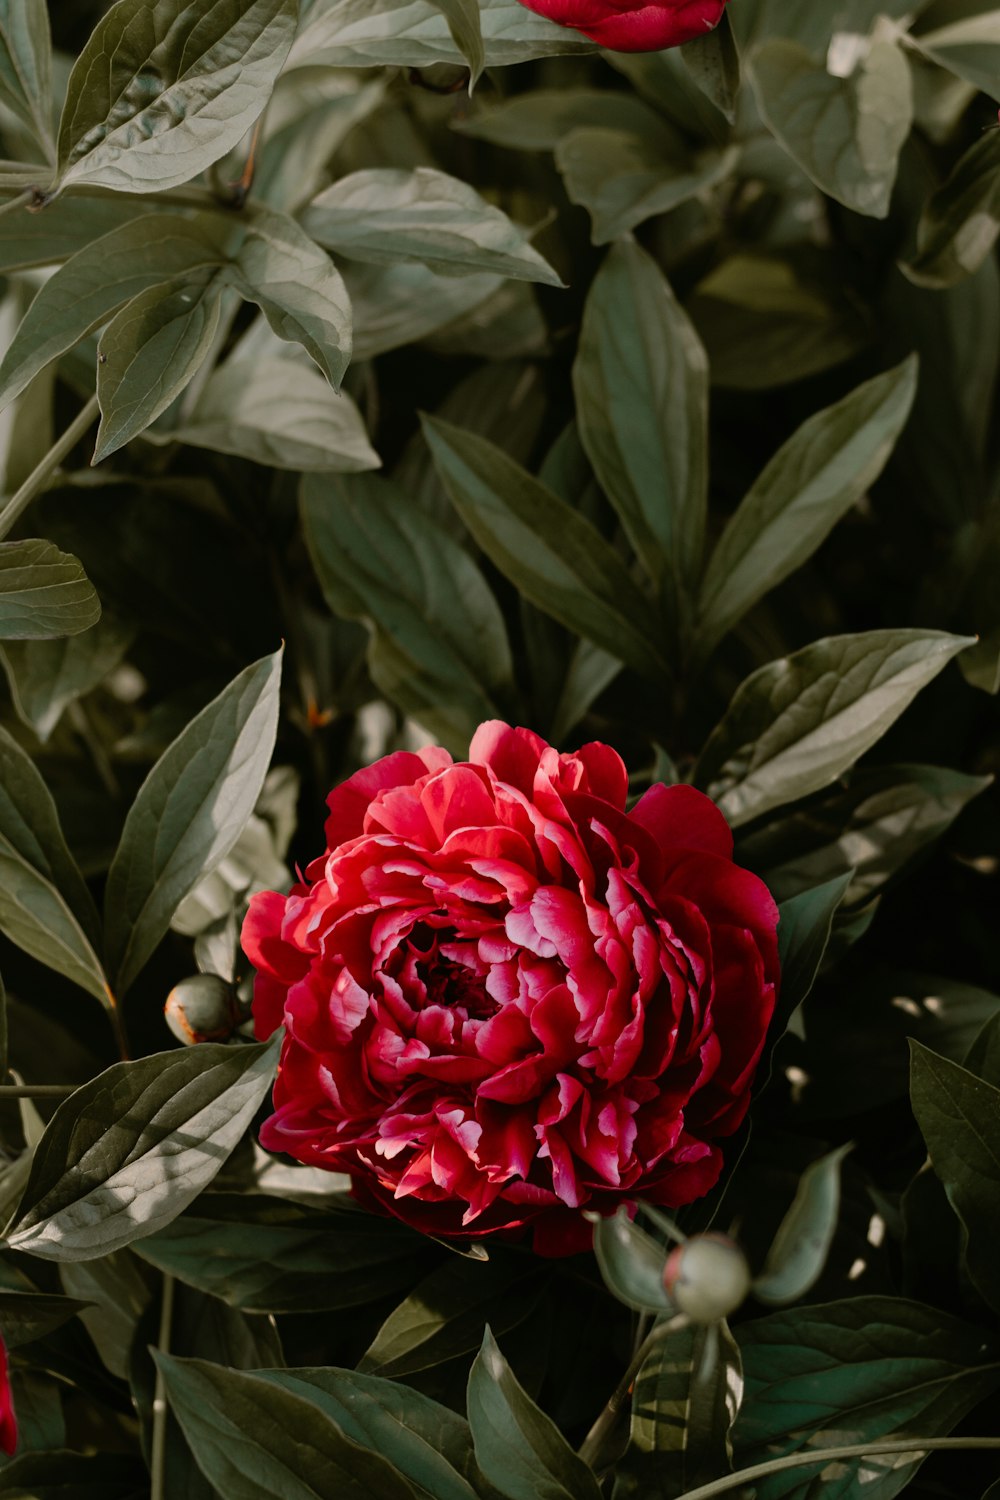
{"type": "Point", "coordinates": [162, 91]}
{"type": "Point", "coordinates": [520, 1450]}
{"type": "Point", "coordinates": [983, 1057]}
{"type": "Point", "coordinates": [384, 215]}
{"type": "Point", "coordinates": [803, 934]}
{"type": "Point", "coordinates": [44, 593]}
{"type": "Point", "coordinates": [116, 1290]}
{"type": "Point", "coordinates": [799, 1249]}
{"type": "Point", "coordinates": [45, 676]}
{"type": "Point", "coordinates": [127, 1152]}
{"type": "Point", "coordinates": [959, 1118]}
{"type": "Point", "coordinates": [439, 645]}
{"type": "Point", "coordinates": [428, 1443]}
{"type": "Point", "coordinates": [25, 1316]}
{"type": "Point", "coordinates": [713, 61]}
{"type": "Point", "coordinates": [263, 1254]}
{"type": "Point", "coordinates": [537, 121]}
{"type": "Point", "coordinates": [189, 813]}
{"type": "Point", "coordinates": [686, 1398]}
{"type": "Point", "coordinates": [444, 1315]}
{"type": "Point", "coordinates": [855, 1371]}
{"type": "Point", "coordinates": [846, 133]}
{"type": "Point", "coordinates": [45, 908]}
{"type": "Point", "coordinates": [254, 1441]}
{"type": "Point", "coordinates": [813, 480]}
{"type": "Point", "coordinates": [632, 1263]}
{"type": "Point", "coordinates": [641, 386]}
{"type": "Point", "coordinates": [968, 46]}
{"type": "Point", "coordinates": [795, 725]}
{"type": "Point", "coordinates": [26, 67]}
{"type": "Point", "coordinates": [553, 555]}
{"type": "Point", "coordinates": [961, 221]}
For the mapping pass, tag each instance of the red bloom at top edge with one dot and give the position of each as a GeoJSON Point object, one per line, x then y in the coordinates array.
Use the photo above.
{"type": "Point", "coordinates": [634, 25]}
{"type": "Point", "coordinates": [506, 999]}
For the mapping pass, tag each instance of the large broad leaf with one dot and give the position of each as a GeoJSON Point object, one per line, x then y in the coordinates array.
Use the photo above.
{"type": "Point", "coordinates": [959, 1117]}
{"type": "Point", "coordinates": [846, 133]}
{"type": "Point", "coordinates": [813, 480]}
{"type": "Point", "coordinates": [961, 221]}
{"type": "Point", "coordinates": [428, 1443]}
{"type": "Point", "coordinates": [799, 1249]}
{"type": "Point", "coordinates": [439, 646]}
{"type": "Point", "coordinates": [101, 278]}
{"type": "Point", "coordinates": [254, 1440]}
{"type": "Point", "coordinates": [44, 593]}
{"type": "Point", "coordinates": [969, 48]}
{"type": "Point", "coordinates": [520, 1451]}
{"type": "Point", "coordinates": [149, 352]}
{"type": "Point", "coordinates": [26, 67]}
{"type": "Point", "coordinates": [416, 33]}
{"type": "Point", "coordinates": [188, 814]}
{"type": "Point", "coordinates": [262, 1254]}
{"type": "Point", "coordinates": [855, 1371]}
{"type": "Point", "coordinates": [444, 1315]}
{"type": "Point", "coordinates": [556, 558]}
{"type": "Point", "coordinates": [395, 305]}
{"type": "Point", "coordinates": [622, 178]}
{"type": "Point", "coordinates": [66, 226]}
{"type": "Point", "coordinates": [115, 1289]}
{"type": "Point", "coordinates": [44, 677]}
{"type": "Point", "coordinates": [127, 1152]}
{"type": "Point", "coordinates": [383, 215]}
{"type": "Point", "coordinates": [796, 724]}
{"type": "Point", "coordinates": [163, 89]}
{"type": "Point", "coordinates": [884, 817]}
{"type": "Point", "coordinates": [686, 1398]}
{"type": "Point", "coordinates": [280, 412]}
{"type": "Point", "coordinates": [641, 386]}
{"type": "Point", "coordinates": [45, 908]}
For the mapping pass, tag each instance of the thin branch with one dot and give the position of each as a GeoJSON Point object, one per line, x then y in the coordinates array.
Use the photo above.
{"type": "Point", "coordinates": [802, 1460]}
{"type": "Point", "coordinates": [158, 1446]}
{"type": "Point", "coordinates": [39, 477]}
{"type": "Point", "coordinates": [37, 1090]}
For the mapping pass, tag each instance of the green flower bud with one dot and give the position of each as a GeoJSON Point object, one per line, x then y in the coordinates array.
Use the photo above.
{"type": "Point", "coordinates": [707, 1277]}
{"type": "Point", "coordinates": [202, 1008]}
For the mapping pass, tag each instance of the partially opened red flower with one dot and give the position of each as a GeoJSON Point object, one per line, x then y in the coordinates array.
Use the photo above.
{"type": "Point", "coordinates": [634, 25]}
{"type": "Point", "coordinates": [507, 999]}
{"type": "Point", "coordinates": [8, 1422]}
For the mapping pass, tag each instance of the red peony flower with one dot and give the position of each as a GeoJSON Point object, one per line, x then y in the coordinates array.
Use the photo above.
{"type": "Point", "coordinates": [8, 1422]}
{"type": "Point", "coordinates": [627, 26]}
{"type": "Point", "coordinates": [506, 999]}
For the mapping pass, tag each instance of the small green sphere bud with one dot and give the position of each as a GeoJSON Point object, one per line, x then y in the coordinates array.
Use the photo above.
{"type": "Point", "coordinates": [202, 1009]}
{"type": "Point", "coordinates": [707, 1277]}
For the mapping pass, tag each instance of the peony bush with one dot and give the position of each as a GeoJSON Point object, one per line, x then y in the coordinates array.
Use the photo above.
{"type": "Point", "coordinates": [498, 833]}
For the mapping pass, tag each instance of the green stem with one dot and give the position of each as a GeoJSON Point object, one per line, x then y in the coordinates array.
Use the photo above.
{"type": "Point", "coordinates": [829, 1455]}
{"type": "Point", "coordinates": [590, 1448]}
{"type": "Point", "coordinates": [37, 1090]}
{"type": "Point", "coordinates": [158, 1444]}
{"type": "Point", "coordinates": [21, 201]}
{"type": "Point", "coordinates": [37, 479]}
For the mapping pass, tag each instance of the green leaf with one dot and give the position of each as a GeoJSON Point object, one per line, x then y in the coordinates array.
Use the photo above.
{"type": "Point", "coordinates": [846, 133]}
{"type": "Point", "coordinates": [961, 221]}
{"type": "Point", "coordinates": [254, 1440]}
{"type": "Point", "coordinates": [100, 279]}
{"type": "Point", "coordinates": [296, 287]}
{"type": "Point", "coordinates": [406, 303]}
{"type": "Point", "coordinates": [44, 593]}
{"type": "Point", "coordinates": [188, 814]}
{"type": "Point", "coordinates": [45, 908]}
{"type": "Point", "coordinates": [799, 1249]}
{"type": "Point", "coordinates": [983, 1057]}
{"type": "Point", "coordinates": [44, 677]}
{"type": "Point", "coordinates": [884, 817]}
{"type": "Point", "coordinates": [969, 48]}
{"type": "Point", "coordinates": [66, 226]}
{"type": "Point", "coordinates": [263, 1254]}
{"type": "Point", "coordinates": [428, 1443]}
{"type": "Point", "coordinates": [279, 412]}
{"type": "Point", "coordinates": [959, 1118]}
{"type": "Point", "coordinates": [632, 1263]}
{"type": "Point", "coordinates": [163, 90]}
{"type": "Point", "coordinates": [384, 214]}
{"type": "Point", "coordinates": [795, 725]}
{"type": "Point", "coordinates": [127, 1152]}
{"type": "Point", "coordinates": [713, 60]}
{"type": "Point", "coordinates": [25, 1316]}
{"type": "Point", "coordinates": [416, 33]}
{"type": "Point", "coordinates": [116, 1290]}
{"type": "Point", "coordinates": [641, 386]}
{"type": "Point", "coordinates": [812, 481]}
{"type": "Point", "coordinates": [622, 178]}
{"type": "Point", "coordinates": [803, 935]}
{"type": "Point", "coordinates": [26, 67]}
{"type": "Point", "coordinates": [553, 555]}
{"type": "Point", "coordinates": [465, 30]}
{"type": "Point", "coordinates": [686, 1398]}
{"type": "Point", "coordinates": [444, 1315]}
{"type": "Point", "coordinates": [439, 645]}
{"type": "Point", "coordinates": [520, 1451]}
{"type": "Point", "coordinates": [538, 120]}
{"type": "Point", "coordinates": [855, 1371]}
{"type": "Point", "coordinates": [149, 352]}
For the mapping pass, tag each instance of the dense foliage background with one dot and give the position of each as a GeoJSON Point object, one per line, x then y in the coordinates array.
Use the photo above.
{"type": "Point", "coordinates": [669, 422]}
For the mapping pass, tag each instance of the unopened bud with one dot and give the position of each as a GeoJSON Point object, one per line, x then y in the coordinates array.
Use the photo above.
{"type": "Point", "coordinates": [707, 1277]}
{"type": "Point", "coordinates": [202, 1009]}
